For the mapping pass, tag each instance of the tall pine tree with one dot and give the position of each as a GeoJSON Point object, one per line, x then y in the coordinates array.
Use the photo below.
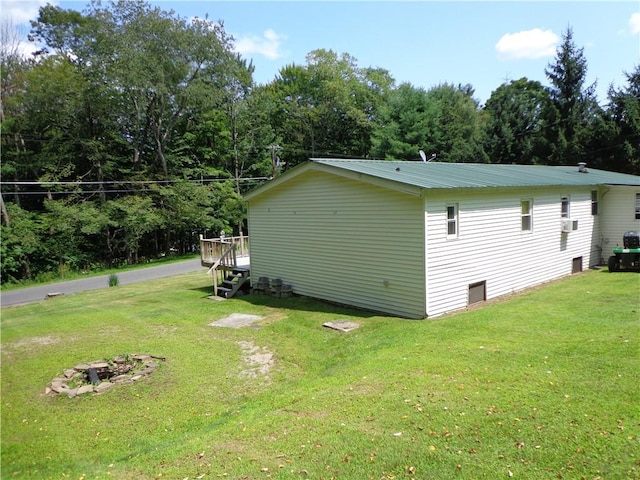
{"type": "Point", "coordinates": [624, 117]}
{"type": "Point", "coordinates": [572, 105]}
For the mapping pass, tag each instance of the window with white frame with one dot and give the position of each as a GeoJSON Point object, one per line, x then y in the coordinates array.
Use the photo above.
{"type": "Point", "coordinates": [452, 220]}
{"type": "Point", "coordinates": [526, 214]}
{"type": "Point", "coordinates": [564, 209]}
{"type": "Point", "coordinates": [594, 202]}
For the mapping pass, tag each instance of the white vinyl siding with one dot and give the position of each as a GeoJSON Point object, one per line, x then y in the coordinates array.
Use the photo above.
{"type": "Point", "coordinates": [385, 246]}
{"type": "Point", "coordinates": [341, 240]}
{"type": "Point", "coordinates": [491, 247]}
{"type": "Point", "coordinates": [617, 215]}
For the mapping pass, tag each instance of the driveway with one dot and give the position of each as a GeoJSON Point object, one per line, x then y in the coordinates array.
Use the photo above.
{"type": "Point", "coordinates": [35, 294]}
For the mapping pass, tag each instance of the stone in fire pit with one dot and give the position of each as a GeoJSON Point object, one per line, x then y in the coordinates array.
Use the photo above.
{"type": "Point", "coordinates": [99, 376]}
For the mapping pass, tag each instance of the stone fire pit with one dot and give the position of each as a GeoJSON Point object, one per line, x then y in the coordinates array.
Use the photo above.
{"type": "Point", "coordinates": [100, 375]}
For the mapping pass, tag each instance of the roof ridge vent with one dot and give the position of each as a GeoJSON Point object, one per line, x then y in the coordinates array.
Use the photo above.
{"type": "Point", "coordinates": [582, 167]}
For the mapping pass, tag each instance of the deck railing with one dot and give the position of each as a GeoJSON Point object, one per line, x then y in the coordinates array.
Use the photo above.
{"type": "Point", "coordinates": [212, 249]}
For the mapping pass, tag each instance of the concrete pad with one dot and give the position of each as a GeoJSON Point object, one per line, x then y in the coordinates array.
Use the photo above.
{"type": "Point", "coordinates": [216, 298]}
{"type": "Point", "coordinates": [342, 325]}
{"type": "Point", "coordinates": [236, 320]}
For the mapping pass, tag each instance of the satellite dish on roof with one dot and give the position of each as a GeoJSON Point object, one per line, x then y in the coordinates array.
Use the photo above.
{"type": "Point", "coordinates": [423, 156]}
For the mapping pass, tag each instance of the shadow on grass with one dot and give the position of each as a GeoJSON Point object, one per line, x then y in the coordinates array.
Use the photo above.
{"type": "Point", "coordinates": [619, 272]}
{"type": "Point", "coordinates": [208, 290]}
{"type": "Point", "coordinates": [309, 304]}
{"type": "Point", "coordinates": [296, 302]}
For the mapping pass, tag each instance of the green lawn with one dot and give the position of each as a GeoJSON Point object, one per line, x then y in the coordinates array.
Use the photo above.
{"type": "Point", "coordinates": [543, 385]}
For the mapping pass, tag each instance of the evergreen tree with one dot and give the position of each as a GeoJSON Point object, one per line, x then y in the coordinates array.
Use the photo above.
{"type": "Point", "coordinates": [623, 113]}
{"type": "Point", "coordinates": [445, 120]}
{"type": "Point", "coordinates": [403, 126]}
{"type": "Point", "coordinates": [573, 106]}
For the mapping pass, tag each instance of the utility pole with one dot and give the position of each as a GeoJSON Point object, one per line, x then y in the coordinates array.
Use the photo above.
{"type": "Point", "coordinates": [275, 161]}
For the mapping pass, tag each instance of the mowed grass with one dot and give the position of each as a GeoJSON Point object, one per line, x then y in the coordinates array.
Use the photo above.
{"type": "Point", "coordinates": [542, 385]}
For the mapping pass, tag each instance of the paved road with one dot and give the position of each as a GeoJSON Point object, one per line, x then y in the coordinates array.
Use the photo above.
{"type": "Point", "coordinates": [34, 294]}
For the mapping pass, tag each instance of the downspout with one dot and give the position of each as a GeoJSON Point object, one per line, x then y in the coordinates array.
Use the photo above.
{"type": "Point", "coordinates": [603, 240]}
{"type": "Point", "coordinates": [425, 258]}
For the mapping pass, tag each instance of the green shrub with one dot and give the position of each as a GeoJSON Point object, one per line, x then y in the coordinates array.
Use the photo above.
{"type": "Point", "coordinates": [114, 281]}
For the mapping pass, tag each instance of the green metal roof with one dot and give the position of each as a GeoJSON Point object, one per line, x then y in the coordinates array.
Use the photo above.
{"type": "Point", "coordinates": [477, 175]}
{"type": "Point", "coordinates": [412, 177]}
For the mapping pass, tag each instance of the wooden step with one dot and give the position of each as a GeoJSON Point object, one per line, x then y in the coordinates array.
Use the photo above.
{"type": "Point", "coordinates": [224, 292]}
{"type": "Point", "coordinates": [233, 281]}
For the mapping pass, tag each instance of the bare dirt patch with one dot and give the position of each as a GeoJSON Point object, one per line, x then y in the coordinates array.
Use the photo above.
{"type": "Point", "coordinates": [28, 342]}
{"type": "Point", "coordinates": [259, 360]}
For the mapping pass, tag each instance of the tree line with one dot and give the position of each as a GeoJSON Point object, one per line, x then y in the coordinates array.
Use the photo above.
{"type": "Point", "coordinates": [134, 130]}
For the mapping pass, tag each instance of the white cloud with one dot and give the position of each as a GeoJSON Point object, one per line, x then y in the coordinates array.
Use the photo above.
{"type": "Point", "coordinates": [14, 17]}
{"type": "Point", "coordinates": [535, 43]}
{"type": "Point", "coordinates": [634, 23]}
{"type": "Point", "coordinates": [268, 45]}
{"type": "Point", "coordinates": [19, 12]}
{"type": "Point", "coordinates": [26, 49]}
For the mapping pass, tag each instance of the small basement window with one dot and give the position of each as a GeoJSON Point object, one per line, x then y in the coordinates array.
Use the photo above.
{"type": "Point", "coordinates": [477, 292]}
{"type": "Point", "coordinates": [576, 265]}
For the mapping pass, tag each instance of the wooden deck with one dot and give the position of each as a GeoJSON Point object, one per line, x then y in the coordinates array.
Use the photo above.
{"type": "Point", "coordinates": [227, 259]}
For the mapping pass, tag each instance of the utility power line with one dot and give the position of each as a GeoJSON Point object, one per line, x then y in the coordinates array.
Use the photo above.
{"type": "Point", "coordinates": [124, 183]}
{"type": "Point", "coordinates": [134, 182]}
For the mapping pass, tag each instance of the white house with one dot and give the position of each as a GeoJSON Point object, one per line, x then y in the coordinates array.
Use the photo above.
{"type": "Point", "coordinates": [418, 239]}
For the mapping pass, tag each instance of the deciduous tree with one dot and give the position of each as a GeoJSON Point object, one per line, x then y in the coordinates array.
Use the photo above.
{"type": "Point", "coordinates": [514, 123]}
{"type": "Point", "coordinates": [327, 107]}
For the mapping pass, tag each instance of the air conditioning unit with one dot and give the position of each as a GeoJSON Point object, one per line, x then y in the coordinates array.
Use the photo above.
{"type": "Point", "coordinates": [568, 225]}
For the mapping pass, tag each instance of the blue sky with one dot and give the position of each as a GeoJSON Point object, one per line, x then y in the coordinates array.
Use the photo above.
{"type": "Point", "coordinates": [422, 42]}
